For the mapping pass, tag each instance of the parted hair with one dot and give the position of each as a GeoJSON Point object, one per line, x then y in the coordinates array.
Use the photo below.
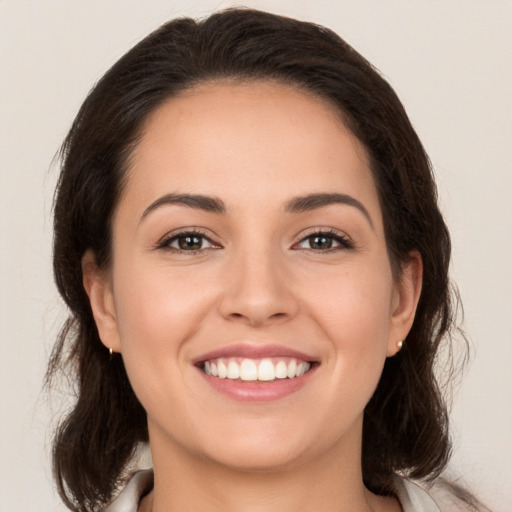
{"type": "Point", "coordinates": [405, 428]}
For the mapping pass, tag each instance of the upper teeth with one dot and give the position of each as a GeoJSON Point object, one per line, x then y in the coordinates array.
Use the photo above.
{"type": "Point", "coordinates": [250, 369]}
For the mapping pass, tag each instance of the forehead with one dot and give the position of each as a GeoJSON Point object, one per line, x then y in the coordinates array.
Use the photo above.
{"type": "Point", "coordinates": [244, 140]}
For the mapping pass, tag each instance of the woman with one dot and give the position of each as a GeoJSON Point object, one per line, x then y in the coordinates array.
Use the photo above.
{"type": "Point", "coordinates": [247, 235]}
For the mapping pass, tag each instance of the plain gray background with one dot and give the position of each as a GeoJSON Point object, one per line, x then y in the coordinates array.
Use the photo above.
{"type": "Point", "coordinates": [450, 62]}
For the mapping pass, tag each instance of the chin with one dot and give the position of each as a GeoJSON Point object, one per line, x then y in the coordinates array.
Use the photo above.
{"type": "Point", "coordinates": [262, 449]}
{"type": "Point", "coordinates": [258, 460]}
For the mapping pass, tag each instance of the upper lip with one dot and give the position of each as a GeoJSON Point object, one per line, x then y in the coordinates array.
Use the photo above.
{"type": "Point", "coordinates": [254, 352]}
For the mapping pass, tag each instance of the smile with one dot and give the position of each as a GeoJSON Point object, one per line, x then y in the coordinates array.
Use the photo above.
{"type": "Point", "coordinates": [266, 369]}
{"type": "Point", "coordinates": [248, 372]}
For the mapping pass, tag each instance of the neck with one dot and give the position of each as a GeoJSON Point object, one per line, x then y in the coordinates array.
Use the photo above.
{"type": "Point", "coordinates": [330, 483]}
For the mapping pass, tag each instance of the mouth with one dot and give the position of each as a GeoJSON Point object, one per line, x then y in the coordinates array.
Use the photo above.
{"type": "Point", "coordinates": [252, 370]}
{"type": "Point", "coordinates": [251, 373]}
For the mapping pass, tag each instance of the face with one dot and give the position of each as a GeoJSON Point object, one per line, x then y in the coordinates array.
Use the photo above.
{"type": "Point", "coordinates": [250, 291]}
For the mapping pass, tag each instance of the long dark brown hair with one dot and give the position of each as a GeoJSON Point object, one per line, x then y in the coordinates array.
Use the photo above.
{"type": "Point", "coordinates": [405, 427]}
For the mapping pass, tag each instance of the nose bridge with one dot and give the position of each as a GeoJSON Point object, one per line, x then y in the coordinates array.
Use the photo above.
{"type": "Point", "coordinates": [256, 289]}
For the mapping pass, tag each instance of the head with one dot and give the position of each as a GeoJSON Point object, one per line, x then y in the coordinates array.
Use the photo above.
{"type": "Point", "coordinates": [405, 424]}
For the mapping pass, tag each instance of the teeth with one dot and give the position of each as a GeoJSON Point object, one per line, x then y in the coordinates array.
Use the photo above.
{"type": "Point", "coordinates": [266, 370]}
{"type": "Point", "coordinates": [233, 370]}
{"type": "Point", "coordinates": [221, 368]}
{"type": "Point", "coordinates": [292, 369]}
{"type": "Point", "coordinates": [281, 370]}
{"type": "Point", "coordinates": [252, 370]}
{"type": "Point", "coordinates": [248, 370]}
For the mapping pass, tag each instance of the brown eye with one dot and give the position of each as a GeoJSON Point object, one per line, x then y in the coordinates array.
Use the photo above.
{"type": "Point", "coordinates": [327, 241]}
{"type": "Point", "coordinates": [321, 242]}
{"type": "Point", "coordinates": [190, 242]}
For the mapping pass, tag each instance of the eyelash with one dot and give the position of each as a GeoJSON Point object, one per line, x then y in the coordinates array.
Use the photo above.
{"type": "Point", "coordinates": [166, 242]}
{"type": "Point", "coordinates": [344, 242]}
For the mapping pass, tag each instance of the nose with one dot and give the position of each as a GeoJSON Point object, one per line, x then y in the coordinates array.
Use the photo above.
{"type": "Point", "coordinates": [258, 290]}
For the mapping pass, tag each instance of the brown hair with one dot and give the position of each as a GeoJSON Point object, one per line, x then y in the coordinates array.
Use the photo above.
{"type": "Point", "coordinates": [405, 424]}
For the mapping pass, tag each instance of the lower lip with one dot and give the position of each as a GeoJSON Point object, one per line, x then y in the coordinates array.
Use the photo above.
{"type": "Point", "coordinates": [257, 391]}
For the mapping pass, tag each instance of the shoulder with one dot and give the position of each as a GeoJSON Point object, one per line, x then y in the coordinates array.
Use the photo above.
{"type": "Point", "coordinates": [414, 498]}
{"type": "Point", "coordinates": [139, 484]}
{"type": "Point", "coordinates": [455, 498]}
{"type": "Point", "coordinates": [442, 496]}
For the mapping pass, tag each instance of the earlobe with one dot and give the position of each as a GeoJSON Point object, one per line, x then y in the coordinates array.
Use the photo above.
{"type": "Point", "coordinates": [99, 290]}
{"type": "Point", "coordinates": [407, 295]}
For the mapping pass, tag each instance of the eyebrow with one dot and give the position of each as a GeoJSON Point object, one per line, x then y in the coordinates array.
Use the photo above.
{"type": "Point", "coordinates": [196, 201]}
{"type": "Point", "coordinates": [314, 201]}
{"type": "Point", "coordinates": [299, 204]}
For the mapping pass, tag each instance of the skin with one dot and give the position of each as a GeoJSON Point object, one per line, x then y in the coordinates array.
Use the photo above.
{"type": "Point", "coordinates": [257, 279]}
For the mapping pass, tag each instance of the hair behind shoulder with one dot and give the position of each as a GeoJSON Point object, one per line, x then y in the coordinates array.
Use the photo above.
{"type": "Point", "coordinates": [406, 422]}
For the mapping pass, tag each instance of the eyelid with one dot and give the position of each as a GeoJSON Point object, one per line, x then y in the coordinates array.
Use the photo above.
{"type": "Point", "coordinates": [165, 241]}
{"type": "Point", "coordinates": [344, 241]}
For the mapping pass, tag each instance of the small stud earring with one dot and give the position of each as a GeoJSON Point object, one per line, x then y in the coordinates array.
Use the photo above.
{"type": "Point", "coordinates": [110, 351]}
{"type": "Point", "coordinates": [400, 344]}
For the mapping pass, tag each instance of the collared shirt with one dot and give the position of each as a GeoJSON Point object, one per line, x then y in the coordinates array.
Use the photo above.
{"type": "Point", "coordinates": [412, 497]}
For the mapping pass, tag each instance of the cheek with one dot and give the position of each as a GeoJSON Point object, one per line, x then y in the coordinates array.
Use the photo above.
{"type": "Point", "coordinates": [354, 305]}
{"type": "Point", "coordinates": [157, 312]}
{"type": "Point", "coordinates": [157, 307]}
{"type": "Point", "coordinates": [354, 311]}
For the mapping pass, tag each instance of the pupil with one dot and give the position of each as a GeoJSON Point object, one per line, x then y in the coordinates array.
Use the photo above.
{"type": "Point", "coordinates": [320, 242]}
{"type": "Point", "coordinates": [190, 242]}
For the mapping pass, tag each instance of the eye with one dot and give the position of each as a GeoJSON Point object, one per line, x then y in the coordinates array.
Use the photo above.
{"type": "Point", "coordinates": [325, 241]}
{"type": "Point", "coordinates": [187, 241]}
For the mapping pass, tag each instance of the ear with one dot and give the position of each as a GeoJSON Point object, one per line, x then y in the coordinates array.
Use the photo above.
{"type": "Point", "coordinates": [405, 301]}
{"type": "Point", "coordinates": [98, 286]}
